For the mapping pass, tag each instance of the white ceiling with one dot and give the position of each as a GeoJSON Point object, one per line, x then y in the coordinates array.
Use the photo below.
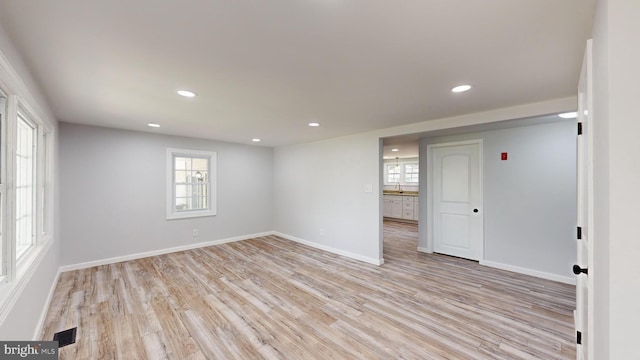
{"type": "Point", "coordinates": [265, 68]}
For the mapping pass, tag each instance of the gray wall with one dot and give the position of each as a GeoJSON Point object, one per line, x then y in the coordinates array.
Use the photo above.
{"type": "Point", "coordinates": [529, 199]}
{"type": "Point", "coordinates": [320, 194]}
{"type": "Point", "coordinates": [113, 193]}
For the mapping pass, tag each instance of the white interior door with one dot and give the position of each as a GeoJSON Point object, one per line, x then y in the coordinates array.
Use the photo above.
{"type": "Point", "coordinates": [456, 191]}
{"type": "Point", "coordinates": [585, 211]}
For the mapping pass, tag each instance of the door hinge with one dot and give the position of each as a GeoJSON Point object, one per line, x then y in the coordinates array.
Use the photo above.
{"type": "Point", "coordinates": [579, 233]}
{"type": "Point", "coordinates": [579, 337]}
{"type": "Point", "coordinates": [579, 128]}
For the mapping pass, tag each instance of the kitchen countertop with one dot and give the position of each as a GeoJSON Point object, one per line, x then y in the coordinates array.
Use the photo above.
{"type": "Point", "coordinates": [400, 193]}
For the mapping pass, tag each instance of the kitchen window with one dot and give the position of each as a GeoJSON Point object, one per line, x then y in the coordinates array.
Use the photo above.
{"type": "Point", "coordinates": [410, 173]}
{"type": "Point", "coordinates": [401, 171]}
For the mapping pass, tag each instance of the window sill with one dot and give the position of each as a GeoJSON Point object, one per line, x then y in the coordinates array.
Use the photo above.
{"type": "Point", "coordinates": [190, 214]}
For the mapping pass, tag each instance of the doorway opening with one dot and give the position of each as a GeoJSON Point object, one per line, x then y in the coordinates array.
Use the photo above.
{"type": "Point", "coordinates": [528, 187]}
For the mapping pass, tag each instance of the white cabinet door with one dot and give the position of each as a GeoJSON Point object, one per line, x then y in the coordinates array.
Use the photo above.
{"type": "Point", "coordinates": [396, 209]}
{"type": "Point", "coordinates": [386, 207]}
{"type": "Point", "coordinates": [392, 206]}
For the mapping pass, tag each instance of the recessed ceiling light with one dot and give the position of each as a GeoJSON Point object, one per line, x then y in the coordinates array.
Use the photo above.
{"type": "Point", "coordinates": [461, 88]}
{"type": "Point", "coordinates": [314, 124]}
{"type": "Point", "coordinates": [153, 125]}
{"type": "Point", "coordinates": [394, 149]}
{"type": "Point", "coordinates": [255, 140]}
{"type": "Point", "coordinates": [186, 93]}
{"type": "Point", "coordinates": [568, 115]}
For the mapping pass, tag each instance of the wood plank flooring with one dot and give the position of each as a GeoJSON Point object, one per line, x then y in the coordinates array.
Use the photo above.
{"type": "Point", "coordinates": [275, 299]}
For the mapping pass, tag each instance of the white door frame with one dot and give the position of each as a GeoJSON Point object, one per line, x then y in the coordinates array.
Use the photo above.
{"type": "Point", "coordinates": [430, 208]}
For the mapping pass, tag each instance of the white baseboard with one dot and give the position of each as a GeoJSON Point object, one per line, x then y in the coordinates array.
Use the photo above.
{"type": "Point", "coordinates": [332, 249]}
{"type": "Point", "coordinates": [424, 250]}
{"type": "Point", "coordinates": [536, 273]}
{"type": "Point", "coordinates": [146, 254]}
{"type": "Point", "coordinates": [47, 303]}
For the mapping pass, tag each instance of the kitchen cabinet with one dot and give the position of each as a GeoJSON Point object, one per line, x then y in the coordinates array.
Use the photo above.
{"type": "Point", "coordinates": [400, 207]}
{"type": "Point", "coordinates": [392, 206]}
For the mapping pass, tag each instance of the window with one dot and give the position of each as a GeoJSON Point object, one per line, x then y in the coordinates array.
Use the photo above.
{"type": "Point", "coordinates": [393, 173]}
{"type": "Point", "coordinates": [26, 165]}
{"type": "Point", "coordinates": [401, 171]}
{"type": "Point", "coordinates": [191, 187]}
{"type": "Point", "coordinates": [411, 173]}
{"type": "Point", "coordinates": [25, 185]}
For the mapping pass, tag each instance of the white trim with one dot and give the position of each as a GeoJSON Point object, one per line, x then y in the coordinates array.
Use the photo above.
{"type": "Point", "coordinates": [330, 249]}
{"type": "Point", "coordinates": [424, 250]}
{"type": "Point", "coordinates": [540, 274]}
{"type": "Point", "coordinates": [12, 83]}
{"type": "Point", "coordinates": [14, 289]}
{"type": "Point", "coordinates": [45, 309]}
{"type": "Point", "coordinates": [146, 254]}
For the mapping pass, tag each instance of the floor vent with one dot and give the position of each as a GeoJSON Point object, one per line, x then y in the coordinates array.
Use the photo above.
{"type": "Point", "coordinates": [66, 337]}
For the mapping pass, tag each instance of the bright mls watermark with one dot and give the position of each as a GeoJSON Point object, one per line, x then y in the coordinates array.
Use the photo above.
{"type": "Point", "coordinates": [40, 350]}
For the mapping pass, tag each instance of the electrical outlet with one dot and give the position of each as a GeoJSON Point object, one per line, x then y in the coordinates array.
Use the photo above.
{"type": "Point", "coordinates": [196, 232]}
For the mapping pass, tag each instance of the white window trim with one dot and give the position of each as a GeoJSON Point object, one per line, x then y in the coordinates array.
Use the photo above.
{"type": "Point", "coordinates": [212, 201]}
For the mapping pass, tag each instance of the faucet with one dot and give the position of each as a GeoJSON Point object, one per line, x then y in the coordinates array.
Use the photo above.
{"type": "Point", "coordinates": [399, 188]}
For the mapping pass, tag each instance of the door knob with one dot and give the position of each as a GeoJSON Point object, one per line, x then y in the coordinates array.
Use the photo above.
{"type": "Point", "coordinates": [578, 270]}
{"type": "Point", "coordinates": [475, 210]}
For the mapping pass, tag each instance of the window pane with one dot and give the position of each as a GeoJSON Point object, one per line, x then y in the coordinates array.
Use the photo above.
{"type": "Point", "coordinates": [182, 163]}
{"type": "Point", "coordinates": [198, 176]}
{"type": "Point", "coordinates": [200, 164]}
{"type": "Point", "coordinates": [183, 191]}
{"type": "Point", "coordinates": [191, 197]}
{"type": "Point", "coordinates": [181, 176]}
{"type": "Point", "coordinates": [25, 186]}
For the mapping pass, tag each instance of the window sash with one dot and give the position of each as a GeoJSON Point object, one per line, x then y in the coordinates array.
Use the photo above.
{"type": "Point", "coordinates": [193, 194]}
{"type": "Point", "coordinates": [25, 186]}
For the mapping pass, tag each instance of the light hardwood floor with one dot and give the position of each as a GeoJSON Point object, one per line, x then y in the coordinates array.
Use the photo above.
{"type": "Point", "coordinates": [275, 299]}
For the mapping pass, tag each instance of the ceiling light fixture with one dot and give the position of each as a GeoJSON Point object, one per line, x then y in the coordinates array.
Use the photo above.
{"type": "Point", "coordinates": [153, 125]}
{"type": "Point", "coordinates": [314, 124]}
{"type": "Point", "coordinates": [568, 115]}
{"type": "Point", "coordinates": [461, 88]}
{"type": "Point", "coordinates": [255, 140]}
{"type": "Point", "coordinates": [395, 150]}
{"type": "Point", "coordinates": [186, 93]}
